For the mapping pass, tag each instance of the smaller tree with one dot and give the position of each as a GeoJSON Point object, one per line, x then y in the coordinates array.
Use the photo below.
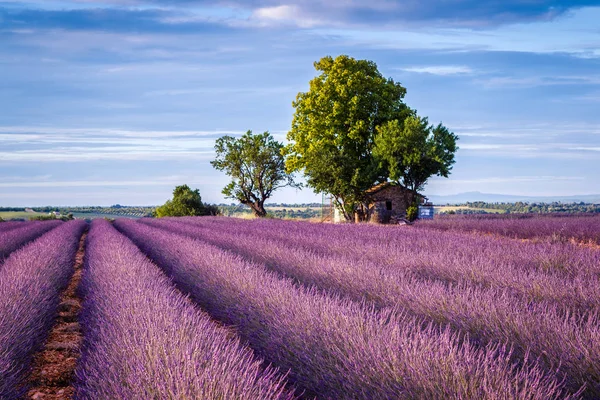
{"type": "Point", "coordinates": [413, 151]}
{"type": "Point", "coordinates": [257, 168]}
{"type": "Point", "coordinates": [185, 203]}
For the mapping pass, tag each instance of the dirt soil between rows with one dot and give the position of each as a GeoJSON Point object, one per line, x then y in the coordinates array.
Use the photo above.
{"type": "Point", "coordinates": [54, 366]}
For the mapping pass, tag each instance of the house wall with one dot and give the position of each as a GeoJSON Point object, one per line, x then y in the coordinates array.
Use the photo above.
{"type": "Point", "coordinates": [378, 209]}
{"type": "Point", "coordinates": [338, 218]}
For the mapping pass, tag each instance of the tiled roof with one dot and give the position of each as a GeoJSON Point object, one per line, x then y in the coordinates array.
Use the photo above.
{"type": "Point", "coordinates": [378, 187]}
{"type": "Point", "coordinates": [384, 185]}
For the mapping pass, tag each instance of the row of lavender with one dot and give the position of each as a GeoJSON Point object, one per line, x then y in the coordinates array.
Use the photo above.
{"type": "Point", "coordinates": [332, 345]}
{"type": "Point", "coordinates": [31, 280]}
{"type": "Point", "coordinates": [14, 235]}
{"type": "Point", "coordinates": [579, 229]}
{"type": "Point", "coordinates": [560, 273]}
{"type": "Point", "coordinates": [143, 339]}
{"type": "Point", "coordinates": [564, 336]}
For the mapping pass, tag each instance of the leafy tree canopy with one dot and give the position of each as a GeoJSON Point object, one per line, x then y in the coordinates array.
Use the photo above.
{"type": "Point", "coordinates": [334, 126]}
{"type": "Point", "coordinates": [256, 165]}
{"type": "Point", "coordinates": [185, 202]}
{"type": "Point", "coordinates": [352, 130]}
{"type": "Point", "coordinates": [413, 151]}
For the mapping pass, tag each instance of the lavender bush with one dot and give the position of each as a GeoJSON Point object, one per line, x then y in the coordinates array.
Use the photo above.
{"type": "Point", "coordinates": [8, 225]}
{"type": "Point", "coordinates": [336, 348]}
{"type": "Point", "coordinates": [144, 339]}
{"type": "Point", "coordinates": [562, 340]}
{"type": "Point", "coordinates": [581, 229]}
{"type": "Point", "coordinates": [564, 274]}
{"type": "Point", "coordinates": [31, 281]}
{"type": "Point", "coordinates": [16, 237]}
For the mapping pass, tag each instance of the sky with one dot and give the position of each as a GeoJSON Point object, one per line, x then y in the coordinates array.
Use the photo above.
{"type": "Point", "coordinates": [118, 101]}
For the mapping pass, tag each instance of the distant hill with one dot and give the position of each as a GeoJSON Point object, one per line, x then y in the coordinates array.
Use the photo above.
{"type": "Point", "coordinates": [508, 198]}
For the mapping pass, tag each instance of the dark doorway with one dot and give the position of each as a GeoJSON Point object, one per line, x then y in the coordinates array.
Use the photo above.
{"type": "Point", "coordinates": [388, 205]}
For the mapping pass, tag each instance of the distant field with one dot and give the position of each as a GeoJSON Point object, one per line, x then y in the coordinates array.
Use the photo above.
{"type": "Point", "coordinates": [18, 214]}
{"type": "Point", "coordinates": [7, 215]}
{"type": "Point", "coordinates": [101, 215]}
{"type": "Point", "coordinates": [291, 208]}
{"type": "Point", "coordinates": [440, 209]}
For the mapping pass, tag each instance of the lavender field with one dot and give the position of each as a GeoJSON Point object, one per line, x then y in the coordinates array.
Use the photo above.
{"type": "Point", "coordinates": [582, 229]}
{"type": "Point", "coordinates": [223, 308]}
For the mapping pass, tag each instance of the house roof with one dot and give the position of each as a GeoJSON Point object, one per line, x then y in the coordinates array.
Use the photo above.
{"type": "Point", "coordinates": [384, 185]}
{"type": "Point", "coordinates": [380, 187]}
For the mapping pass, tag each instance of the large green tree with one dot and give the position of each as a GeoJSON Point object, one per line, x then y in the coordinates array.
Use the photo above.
{"type": "Point", "coordinates": [256, 165]}
{"type": "Point", "coordinates": [334, 126]}
{"type": "Point", "coordinates": [185, 202]}
{"type": "Point", "coordinates": [412, 151]}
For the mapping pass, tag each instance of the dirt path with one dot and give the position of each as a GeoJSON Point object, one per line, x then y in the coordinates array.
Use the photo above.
{"type": "Point", "coordinates": [54, 365]}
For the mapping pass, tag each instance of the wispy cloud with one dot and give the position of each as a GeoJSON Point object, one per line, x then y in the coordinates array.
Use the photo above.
{"type": "Point", "coordinates": [50, 133]}
{"type": "Point", "coordinates": [470, 13]}
{"type": "Point", "coordinates": [510, 179]}
{"type": "Point", "coordinates": [23, 144]}
{"type": "Point", "coordinates": [585, 148]}
{"type": "Point", "coordinates": [305, 13]}
{"type": "Point", "coordinates": [155, 181]}
{"type": "Point", "coordinates": [533, 81]}
{"type": "Point", "coordinates": [574, 33]}
{"type": "Point", "coordinates": [255, 91]}
{"type": "Point", "coordinates": [157, 20]}
{"type": "Point", "coordinates": [442, 70]}
{"type": "Point", "coordinates": [83, 154]}
{"type": "Point", "coordinates": [540, 132]}
{"type": "Point", "coordinates": [284, 15]}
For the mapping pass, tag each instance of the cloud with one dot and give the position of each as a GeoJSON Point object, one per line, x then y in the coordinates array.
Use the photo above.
{"type": "Point", "coordinates": [585, 148]}
{"type": "Point", "coordinates": [25, 145]}
{"type": "Point", "coordinates": [510, 179]}
{"type": "Point", "coordinates": [442, 70]}
{"type": "Point", "coordinates": [456, 13]}
{"type": "Point", "coordinates": [533, 81]}
{"type": "Point", "coordinates": [533, 150]}
{"type": "Point", "coordinates": [277, 13]}
{"type": "Point", "coordinates": [284, 15]}
{"type": "Point", "coordinates": [574, 34]}
{"type": "Point", "coordinates": [25, 133]}
{"type": "Point", "coordinates": [529, 130]}
{"type": "Point", "coordinates": [307, 13]}
{"type": "Point", "coordinates": [155, 181]}
{"type": "Point", "coordinates": [106, 19]}
{"type": "Point", "coordinates": [588, 98]}
{"type": "Point", "coordinates": [86, 154]}
{"type": "Point", "coordinates": [508, 147]}
{"type": "Point", "coordinates": [526, 140]}
{"type": "Point", "coordinates": [256, 91]}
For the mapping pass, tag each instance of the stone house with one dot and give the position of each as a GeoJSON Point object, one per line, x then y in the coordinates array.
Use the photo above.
{"type": "Point", "coordinates": [388, 203]}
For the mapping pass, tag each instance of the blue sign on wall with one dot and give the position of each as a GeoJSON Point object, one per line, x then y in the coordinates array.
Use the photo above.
{"type": "Point", "coordinates": [425, 212]}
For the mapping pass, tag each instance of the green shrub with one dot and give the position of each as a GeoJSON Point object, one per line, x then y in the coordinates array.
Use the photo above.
{"type": "Point", "coordinates": [412, 212]}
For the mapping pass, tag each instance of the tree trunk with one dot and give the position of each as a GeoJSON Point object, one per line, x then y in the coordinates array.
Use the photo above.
{"type": "Point", "coordinates": [361, 214]}
{"type": "Point", "coordinates": [340, 206]}
{"type": "Point", "coordinates": [357, 216]}
{"type": "Point", "coordinates": [259, 209]}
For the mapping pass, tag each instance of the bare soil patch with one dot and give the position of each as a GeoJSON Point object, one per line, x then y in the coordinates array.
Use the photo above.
{"type": "Point", "coordinates": [54, 366]}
